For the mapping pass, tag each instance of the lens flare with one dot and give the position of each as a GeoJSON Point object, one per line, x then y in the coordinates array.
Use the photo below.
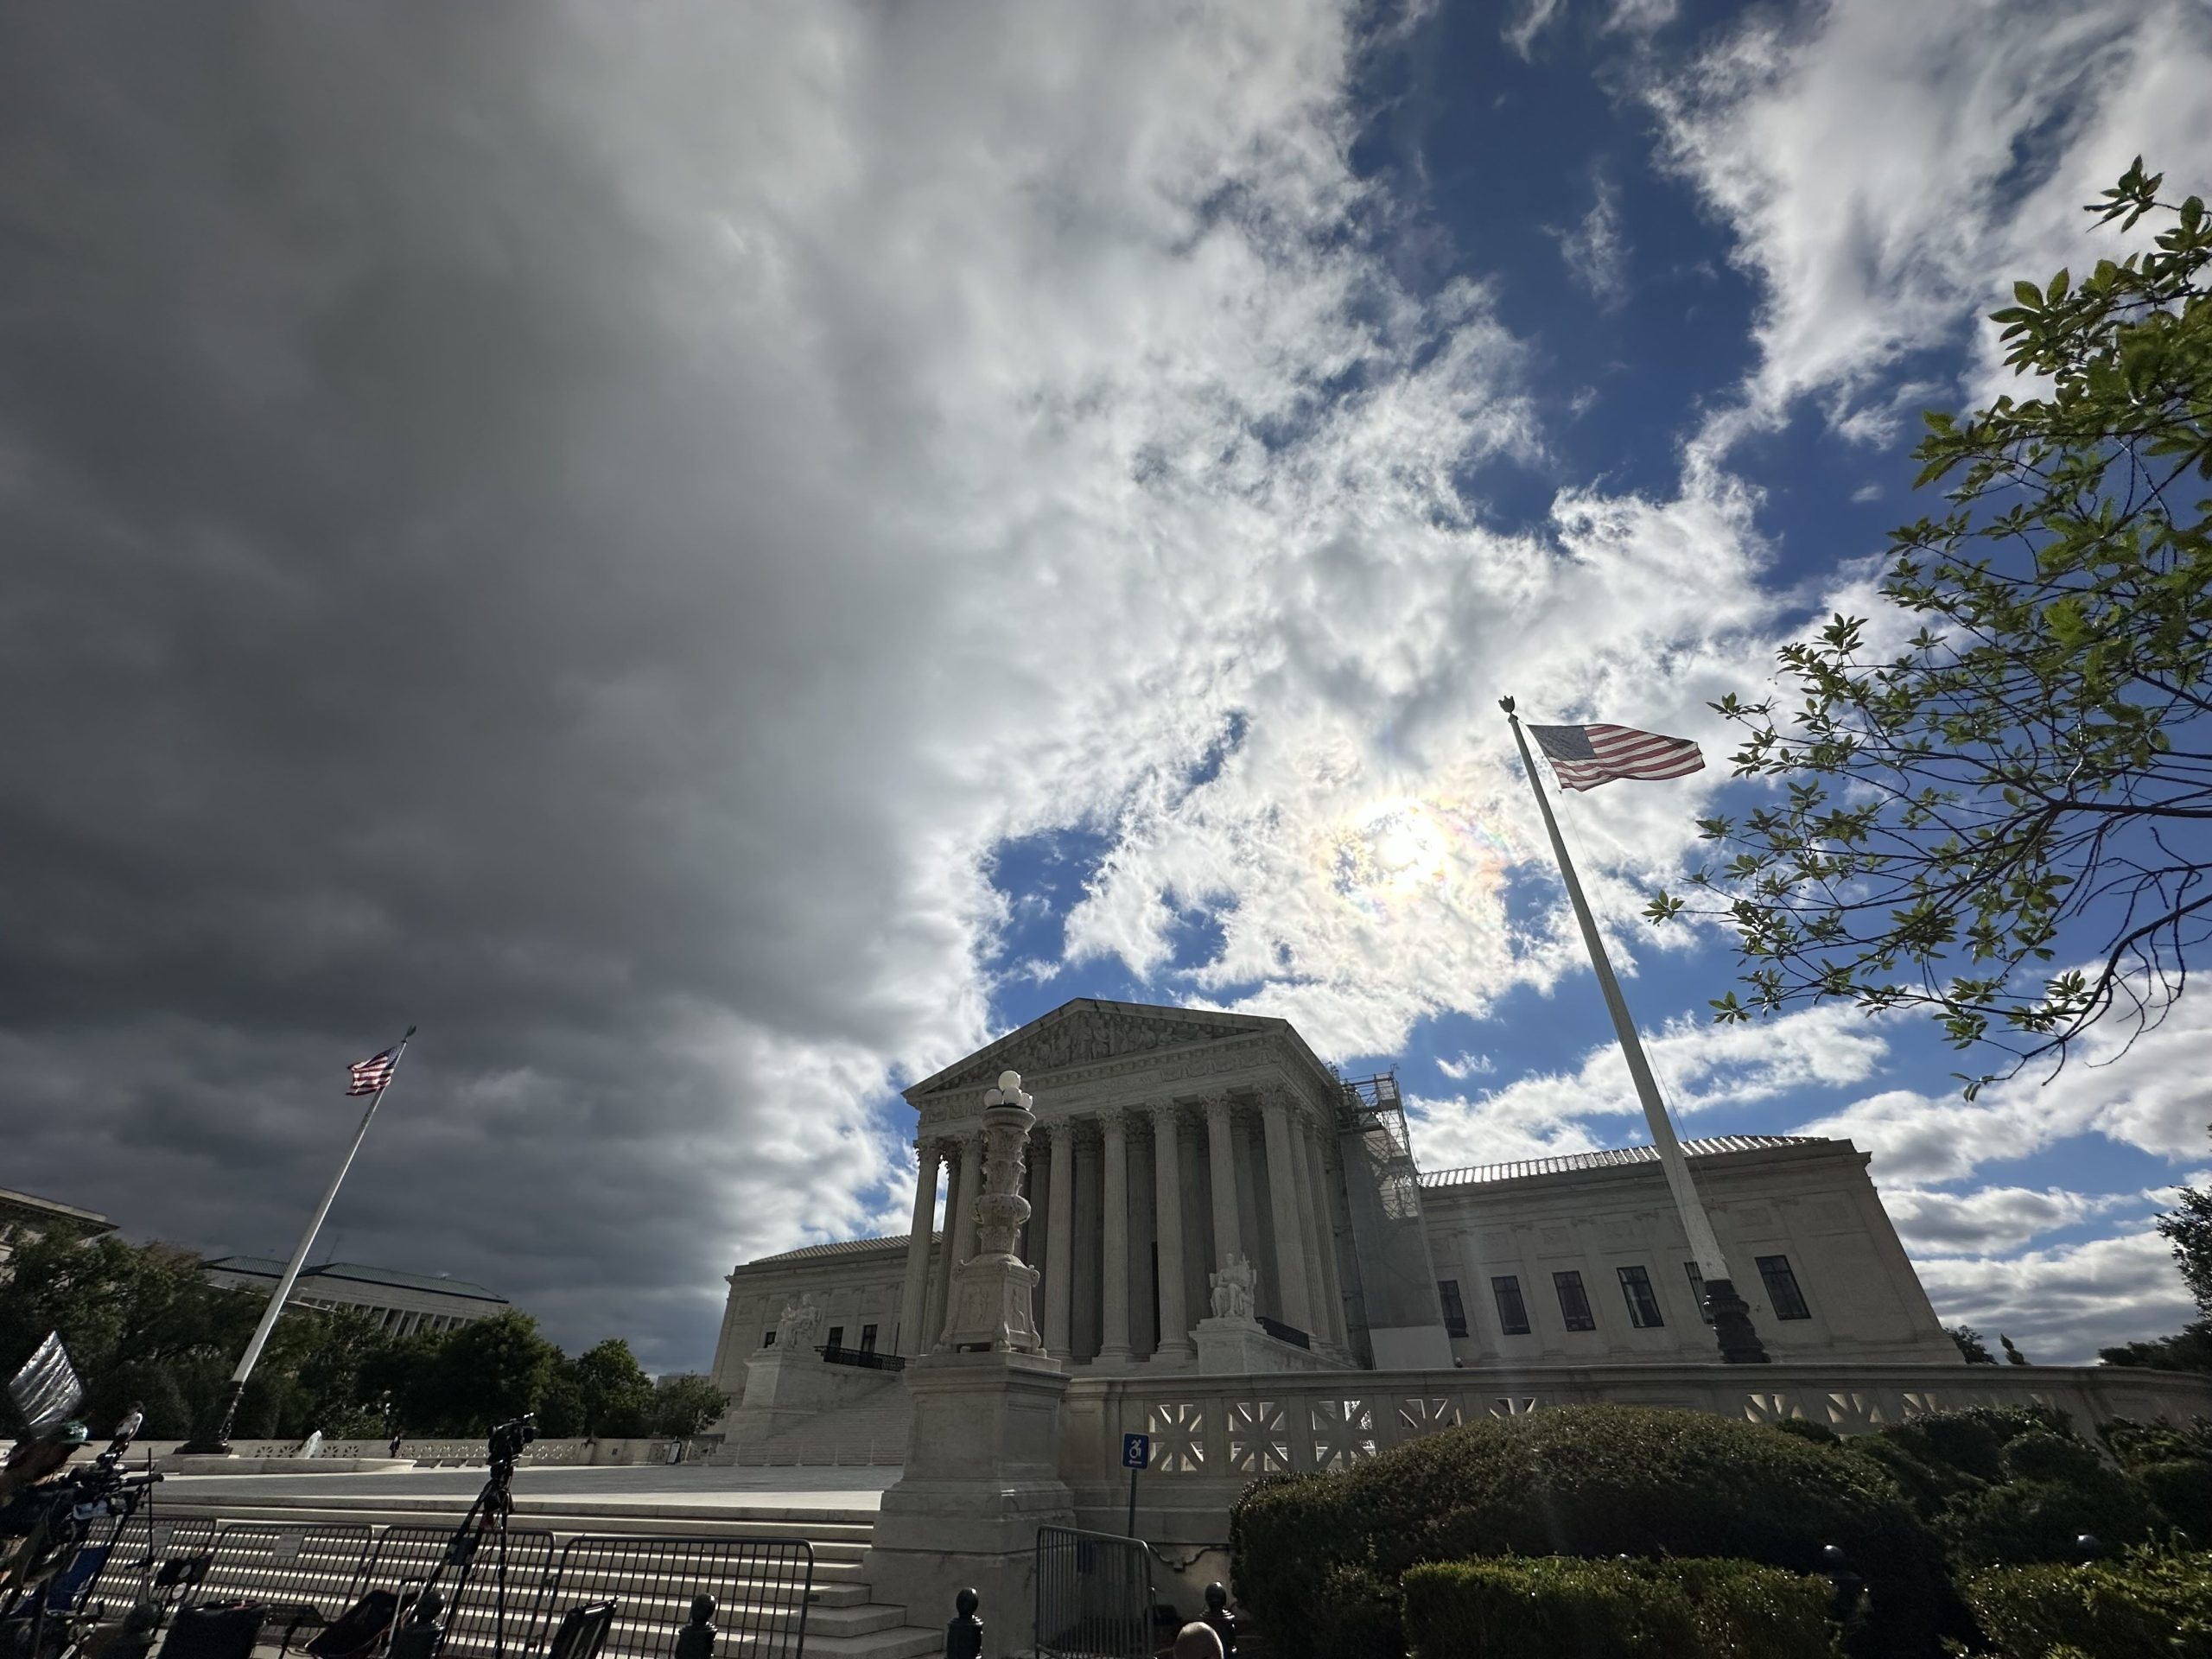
{"type": "Point", "coordinates": [1407, 850]}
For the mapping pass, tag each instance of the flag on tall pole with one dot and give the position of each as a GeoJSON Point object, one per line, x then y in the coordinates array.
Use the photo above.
{"type": "Point", "coordinates": [371, 1078]}
{"type": "Point", "coordinates": [1590, 755]}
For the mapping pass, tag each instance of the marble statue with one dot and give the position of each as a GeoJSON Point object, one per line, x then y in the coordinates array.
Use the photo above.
{"type": "Point", "coordinates": [1235, 1288]}
{"type": "Point", "coordinates": [796, 1328]}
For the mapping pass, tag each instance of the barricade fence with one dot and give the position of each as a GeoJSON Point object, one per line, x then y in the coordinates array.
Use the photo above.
{"type": "Point", "coordinates": [761, 1588]}
{"type": "Point", "coordinates": [1094, 1595]}
{"type": "Point", "coordinates": [308, 1575]}
{"type": "Point", "coordinates": [403, 1557]}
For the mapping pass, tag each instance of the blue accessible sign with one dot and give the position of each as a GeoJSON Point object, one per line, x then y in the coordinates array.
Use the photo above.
{"type": "Point", "coordinates": [1136, 1450]}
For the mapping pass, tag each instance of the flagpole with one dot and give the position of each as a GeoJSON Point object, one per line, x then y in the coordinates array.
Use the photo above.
{"type": "Point", "coordinates": [1732, 1319]}
{"type": "Point", "coordinates": [217, 1443]}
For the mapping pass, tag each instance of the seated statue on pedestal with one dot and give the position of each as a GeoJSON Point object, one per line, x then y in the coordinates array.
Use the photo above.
{"type": "Point", "coordinates": [796, 1328]}
{"type": "Point", "coordinates": [1236, 1288]}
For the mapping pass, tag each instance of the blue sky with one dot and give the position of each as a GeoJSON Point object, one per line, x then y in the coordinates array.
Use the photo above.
{"type": "Point", "coordinates": [837, 527]}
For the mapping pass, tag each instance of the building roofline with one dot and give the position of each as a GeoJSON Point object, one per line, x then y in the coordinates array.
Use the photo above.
{"type": "Point", "coordinates": [1713, 1149]}
{"type": "Point", "coordinates": [92, 1220]}
{"type": "Point", "coordinates": [263, 1267]}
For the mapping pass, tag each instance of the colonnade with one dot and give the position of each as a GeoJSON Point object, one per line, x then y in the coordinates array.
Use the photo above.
{"type": "Point", "coordinates": [1131, 1208]}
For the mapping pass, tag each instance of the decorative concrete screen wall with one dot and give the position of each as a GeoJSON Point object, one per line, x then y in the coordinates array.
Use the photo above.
{"type": "Point", "coordinates": [1212, 1436]}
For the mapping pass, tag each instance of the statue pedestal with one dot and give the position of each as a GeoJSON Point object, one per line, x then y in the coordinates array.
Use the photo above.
{"type": "Point", "coordinates": [981, 1475]}
{"type": "Point", "coordinates": [1237, 1346]}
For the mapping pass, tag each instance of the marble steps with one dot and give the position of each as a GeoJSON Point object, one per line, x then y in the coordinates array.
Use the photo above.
{"type": "Point", "coordinates": [870, 1433]}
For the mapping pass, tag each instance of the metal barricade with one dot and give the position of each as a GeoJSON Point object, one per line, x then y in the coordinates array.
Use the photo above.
{"type": "Point", "coordinates": [404, 1556]}
{"type": "Point", "coordinates": [287, 1567]}
{"type": "Point", "coordinates": [1094, 1595]}
{"type": "Point", "coordinates": [761, 1584]}
{"type": "Point", "coordinates": [138, 1550]}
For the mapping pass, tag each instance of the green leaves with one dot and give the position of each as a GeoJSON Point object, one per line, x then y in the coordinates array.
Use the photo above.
{"type": "Point", "coordinates": [2030, 772]}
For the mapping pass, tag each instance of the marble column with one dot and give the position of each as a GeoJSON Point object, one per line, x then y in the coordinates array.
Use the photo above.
{"type": "Point", "coordinates": [1114, 1289]}
{"type": "Point", "coordinates": [941, 1279]}
{"type": "Point", "coordinates": [913, 1299]}
{"type": "Point", "coordinates": [1326, 1210]}
{"type": "Point", "coordinates": [1313, 1232]}
{"type": "Point", "coordinates": [1220, 1155]}
{"type": "Point", "coordinates": [960, 1229]}
{"type": "Point", "coordinates": [1167, 1219]}
{"type": "Point", "coordinates": [1283, 1194]}
{"type": "Point", "coordinates": [1059, 1242]}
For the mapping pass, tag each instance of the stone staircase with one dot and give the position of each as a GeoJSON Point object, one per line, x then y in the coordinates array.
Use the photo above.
{"type": "Point", "coordinates": [841, 1621]}
{"type": "Point", "coordinates": [870, 1431]}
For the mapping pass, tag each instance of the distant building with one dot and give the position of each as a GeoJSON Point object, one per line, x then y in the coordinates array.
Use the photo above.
{"type": "Point", "coordinates": [24, 1217]}
{"type": "Point", "coordinates": [403, 1303]}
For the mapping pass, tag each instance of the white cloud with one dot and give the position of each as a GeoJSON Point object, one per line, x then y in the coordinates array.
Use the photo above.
{"type": "Point", "coordinates": [1467, 1066]}
{"type": "Point", "coordinates": [1700, 1064]}
{"type": "Point", "coordinates": [1530, 22]}
{"type": "Point", "coordinates": [1594, 250]}
{"type": "Point", "coordinates": [2062, 1306]}
{"type": "Point", "coordinates": [2155, 1097]}
{"type": "Point", "coordinates": [1890, 167]}
{"type": "Point", "coordinates": [1990, 1218]}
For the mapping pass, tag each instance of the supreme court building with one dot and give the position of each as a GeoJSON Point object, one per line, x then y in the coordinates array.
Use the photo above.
{"type": "Point", "coordinates": [1169, 1141]}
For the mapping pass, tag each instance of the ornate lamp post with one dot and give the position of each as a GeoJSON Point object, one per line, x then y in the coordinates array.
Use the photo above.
{"type": "Point", "coordinates": [992, 1290]}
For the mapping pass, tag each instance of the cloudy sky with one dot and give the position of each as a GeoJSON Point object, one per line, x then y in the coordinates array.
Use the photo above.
{"type": "Point", "coordinates": [718, 555]}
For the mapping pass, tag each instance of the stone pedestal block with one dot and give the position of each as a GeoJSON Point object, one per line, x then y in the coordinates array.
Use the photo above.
{"type": "Point", "coordinates": [1233, 1346]}
{"type": "Point", "coordinates": [981, 1475]}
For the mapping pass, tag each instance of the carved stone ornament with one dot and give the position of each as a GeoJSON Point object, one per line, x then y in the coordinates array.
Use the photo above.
{"type": "Point", "coordinates": [796, 1325]}
{"type": "Point", "coordinates": [993, 1290]}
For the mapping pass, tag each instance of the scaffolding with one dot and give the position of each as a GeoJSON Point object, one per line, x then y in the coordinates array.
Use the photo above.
{"type": "Point", "coordinates": [1394, 1281]}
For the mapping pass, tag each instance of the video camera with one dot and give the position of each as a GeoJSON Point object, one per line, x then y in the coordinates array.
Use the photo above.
{"type": "Point", "coordinates": [508, 1439]}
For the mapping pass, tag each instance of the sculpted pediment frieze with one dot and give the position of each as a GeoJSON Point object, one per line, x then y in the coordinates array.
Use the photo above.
{"type": "Point", "coordinates": [1084, 1033]}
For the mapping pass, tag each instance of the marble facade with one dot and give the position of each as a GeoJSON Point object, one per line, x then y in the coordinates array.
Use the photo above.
{"type": "Point", "coordinates": [1168, 1141]}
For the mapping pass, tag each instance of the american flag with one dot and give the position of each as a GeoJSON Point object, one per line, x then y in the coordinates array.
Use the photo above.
{"type": "Point", "coordinates": [1586, 756]}
{"type": "Point", "coordinates": [370, 1075]}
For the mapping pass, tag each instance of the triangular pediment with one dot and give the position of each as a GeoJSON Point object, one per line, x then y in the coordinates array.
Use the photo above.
{"type": "Point", "coordinates": [1085, 1031]}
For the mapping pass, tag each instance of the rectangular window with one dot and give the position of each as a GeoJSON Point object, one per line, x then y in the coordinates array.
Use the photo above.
{"type": "Point", "coordinates": [767, 1338]}
{"type": "Point", "coordinates": [836, 1341]}
{"type": "Point", "coordinates": [1455, 1316]}
{"type": "Point", "coordinates": [1781, 1291]}
{"type": "Point", "coordinates": [1643, 1306]}
{"type": "Point", "coordinates": [1512, 1312]}
{"type": "Point", "coordinates": [1697, 1291]}
{"type": "Point", "coordinates": [1574, 1305]}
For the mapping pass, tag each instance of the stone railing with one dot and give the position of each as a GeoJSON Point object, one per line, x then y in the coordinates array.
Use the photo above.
{"type": "Point", "coordinates": [459, 1453]}
{"type": "Point", "coordinates": [1243, 1427]}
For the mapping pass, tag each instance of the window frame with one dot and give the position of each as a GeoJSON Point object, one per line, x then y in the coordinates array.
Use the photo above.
{"type": "Point", "coordinates": [1455, 1311]}
{"type": "Point", "coordinates": [867, 1338]}
{"type": "Point", "coordinates": [1516, 1324]}
{"type": "Point", "coordinates": [1775, 1273]}
{"type": "Point", "coordinates": [1691, 1271]}
{"type": "Point", "coordinates": [1644, 1313]}
{"type": "Point", "coordinates": [1567, 1279]}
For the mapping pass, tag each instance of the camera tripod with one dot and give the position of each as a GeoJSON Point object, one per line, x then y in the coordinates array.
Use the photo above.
{"type": "Point", "coordinates": [425, 1630]}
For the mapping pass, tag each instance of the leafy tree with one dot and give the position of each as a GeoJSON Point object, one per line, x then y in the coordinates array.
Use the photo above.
{"type": "Point", "coordinates": [488, 1371]}
{"type": "Point", "coordinates": [139, 1320]}
{"type": "Point", "coordinates": [2188, 1228]}
{"type": "Point", "coordinates": [2013, 1355]}
{"type": "Point", "coordinates": [685, 1403]}
{"type": "Point", "coordinates": [614, 1395]}
{"type": "Point", "coordinates": [1970, 1344]}
{"type": "Point", "coordinates": [2189, 1349]}
{"type": "Point", "coordinates": [2037, 757]}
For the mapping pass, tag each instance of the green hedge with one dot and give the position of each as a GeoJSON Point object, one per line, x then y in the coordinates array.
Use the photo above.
{"type": "Point", "coordinates": [1560, 1607]}
{"type": "Point", "coordinates": [2152, 1604]}
{"type": "Point", "coordinates": [1597, 1481]}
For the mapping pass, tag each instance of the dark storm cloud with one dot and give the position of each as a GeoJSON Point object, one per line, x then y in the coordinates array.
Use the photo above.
{"type": "Point", "coordinates": [403, 621]}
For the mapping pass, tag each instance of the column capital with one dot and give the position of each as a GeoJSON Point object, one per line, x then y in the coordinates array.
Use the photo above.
{"type": "Point", "coordinates": [1165, 1115]}
{"type": "Point", "coordinates": [1114, 1120]}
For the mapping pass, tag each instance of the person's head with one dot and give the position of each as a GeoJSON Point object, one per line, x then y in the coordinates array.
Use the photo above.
{"type": "Point", "coordinates": [1196, 1641]}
